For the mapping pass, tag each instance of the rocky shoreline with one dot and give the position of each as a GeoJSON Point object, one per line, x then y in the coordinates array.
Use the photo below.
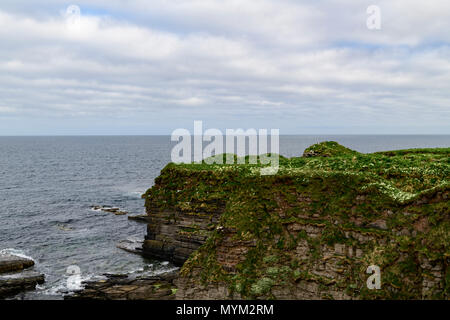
{"type": "Point", "coordinates": [125, 287]}
{"type": "Point", "coordinates": [14, 278]}
{"type": "Point", "coordinates": [309, 232]}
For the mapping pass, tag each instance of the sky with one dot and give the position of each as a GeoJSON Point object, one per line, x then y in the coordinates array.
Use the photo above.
{"type": "Point", "coordinates": [152, 66]}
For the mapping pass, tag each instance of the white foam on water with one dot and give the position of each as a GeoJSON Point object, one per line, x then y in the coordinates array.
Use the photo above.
{"type": "Point", "coordinates": [52, 291]}
{"type": "Point", "coordinates": [102, 211]}
{"type": "Point", "coordinates": [164, 270]}
{"type": "Point", "coordinates": [16, 252]}
{"type": "Point", "coordinates": [152, 269]}
{"type": "Point", "coordinates": [137, 194]}
{"type": "Point", "coordinates": [137, 270]}
{"type": "Point", "coordinates": [62, 286]}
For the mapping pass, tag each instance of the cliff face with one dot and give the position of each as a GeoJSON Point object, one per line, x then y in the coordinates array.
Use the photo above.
{"type": "Point", "coordinates": [310, 231]}
{"type": "Point", "coordinates": [174, 232]}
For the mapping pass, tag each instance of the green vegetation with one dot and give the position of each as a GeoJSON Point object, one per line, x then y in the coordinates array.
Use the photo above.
{"type": "Point", "coordinates": [387, 208]}
{"type": "Point", "coordinates": [328, 149]}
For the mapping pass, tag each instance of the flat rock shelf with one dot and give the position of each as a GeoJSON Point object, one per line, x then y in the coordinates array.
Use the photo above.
{"type": "Point", "coordinates": [14, 279]}
{"type": "Point", "coordinates": [123, 287]}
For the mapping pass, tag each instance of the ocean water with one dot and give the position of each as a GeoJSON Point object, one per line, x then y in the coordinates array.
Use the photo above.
{"type": "Point", "coordinates": [48, 185]}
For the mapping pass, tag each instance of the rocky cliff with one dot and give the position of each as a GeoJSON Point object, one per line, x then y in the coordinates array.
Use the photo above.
{"type": "Point", "coordinates": [310, 231]}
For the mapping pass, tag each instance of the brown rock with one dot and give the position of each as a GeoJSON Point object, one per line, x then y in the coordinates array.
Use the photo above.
{"type": "Point", "coordinates": [421, 225]}
{"type": "Point", "coordinates": [378, 224]}
{"type": "Point", "coordinates": [139, 218]}
{"type": "Point", "coordinates": [131, 245]}
{"type": "Point", "coordinates": [10, 263]}
{"type": "Point", "coordinates": [14, 283]}
{"type": "Point", "coordinates": [160, 287]}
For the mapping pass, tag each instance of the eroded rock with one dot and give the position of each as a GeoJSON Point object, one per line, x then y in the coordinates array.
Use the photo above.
{"type": "Point", "coordinates": [10, 263]}
{"type": "Point", "coordinates": [131, 245]}
{"type": "Point", "coordinates": [109, 209]}
{"type": "Point", "coordinates": [14, 278]}
{"type": "Point", "coordinates": [122, 287]}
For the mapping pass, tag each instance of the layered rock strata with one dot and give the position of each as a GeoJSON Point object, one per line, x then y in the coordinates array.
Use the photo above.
{"type": "Point", "coordinates": [118, 287]}
{"type": "Point", "coordinates": [174, 233]}
{"type": "Point", "coordinates": [309, 232]}
{"type": "Point", "coordinates": [14, 279]}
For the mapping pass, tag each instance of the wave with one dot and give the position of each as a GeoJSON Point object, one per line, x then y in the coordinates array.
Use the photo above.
{"type": "Point", "coordinates": [16, 252]}
{"type": "Point", "coordinates": [63, 287]}
{"type": "Point", "coordinates": [164, 270]}
{"type": "Point", "coordinates": [134, 194]}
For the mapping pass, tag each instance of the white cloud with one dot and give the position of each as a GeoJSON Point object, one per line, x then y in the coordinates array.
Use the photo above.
{"type": "Point", "coordinates": [6, 110]}
{"type": "Point", "coordinates": [291, 62]}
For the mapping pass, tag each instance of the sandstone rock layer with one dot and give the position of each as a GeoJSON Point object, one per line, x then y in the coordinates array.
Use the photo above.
{"type": "Point", "coordinates": [308, 232]}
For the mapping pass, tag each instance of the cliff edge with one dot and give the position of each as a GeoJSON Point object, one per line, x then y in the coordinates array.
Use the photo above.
{"type": "Point", "coordinates": [308, 232]}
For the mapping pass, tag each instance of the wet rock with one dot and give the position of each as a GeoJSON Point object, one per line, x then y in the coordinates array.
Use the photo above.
{"type": "Point", "coordinates": [115, 275]}
{"type": "Point", "coordinates": [14, 278]}
{"type": "Point", "coordinates": [139, 218]}
{"type": "Point", "coordinates": [64, 227]}
{"type": "Point", "coordinates": [114, 210]}
{"type": "Point", "coordinates": [9, 263]}
{"type": "Point", "coordinates": [12, 284]}
{"type": "Point", "coordinates": [120, 287]}
{"type": "Point", "coordinates": [131, 245]}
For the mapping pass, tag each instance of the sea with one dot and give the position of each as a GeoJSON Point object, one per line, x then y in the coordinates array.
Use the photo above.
{"type": "Point", "coordinates": [48, 186]}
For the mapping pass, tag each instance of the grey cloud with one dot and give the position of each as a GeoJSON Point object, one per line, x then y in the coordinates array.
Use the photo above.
{"type": "Point", "coordinates": [291, 62]}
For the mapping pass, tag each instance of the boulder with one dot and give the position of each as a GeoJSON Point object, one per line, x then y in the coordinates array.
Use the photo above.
{"type": "Point", "coordinates": [12, 284]}
{"type": "Point", "coordinates": [10, 263]}
{"type": "Point", "coordinates": [14, 278]}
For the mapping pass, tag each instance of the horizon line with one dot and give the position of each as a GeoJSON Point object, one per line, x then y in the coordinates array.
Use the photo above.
{"type": "Point", "coordinates": [168, 135]}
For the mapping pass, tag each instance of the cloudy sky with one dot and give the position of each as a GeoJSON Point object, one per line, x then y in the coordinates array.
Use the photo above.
{"type": "Point", "coordinates": [151, 66]}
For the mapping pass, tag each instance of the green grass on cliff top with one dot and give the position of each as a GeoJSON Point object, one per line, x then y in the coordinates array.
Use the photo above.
{"type": "Point", "coordinates": [400, 174]}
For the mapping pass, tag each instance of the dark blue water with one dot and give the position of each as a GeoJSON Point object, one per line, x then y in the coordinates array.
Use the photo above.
{"type": "Point", "coordinates": [48, 184]}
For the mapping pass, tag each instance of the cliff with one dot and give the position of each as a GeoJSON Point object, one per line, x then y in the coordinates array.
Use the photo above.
{"type": "Point", "coordinates": [308, 232]}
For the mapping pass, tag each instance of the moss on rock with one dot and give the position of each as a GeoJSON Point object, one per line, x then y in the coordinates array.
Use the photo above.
{"type": "Point", "coordinates": [312, 229]}
{"type": "Point", "coordinates": [328, 149]}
